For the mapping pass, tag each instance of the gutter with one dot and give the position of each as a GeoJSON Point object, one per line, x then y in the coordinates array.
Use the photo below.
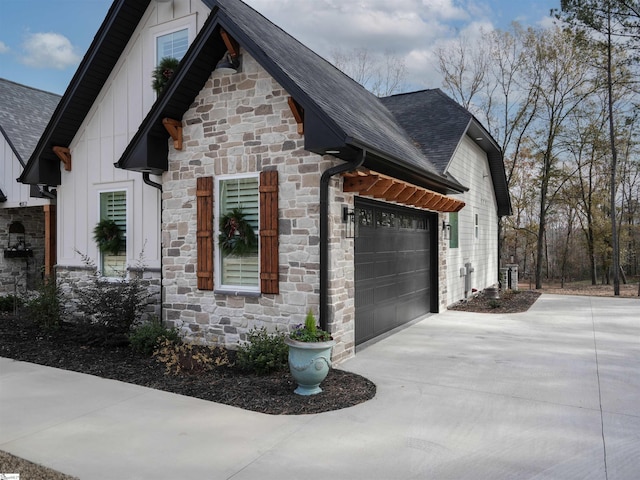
{"type": "Point", "coordinates": [324, 231]}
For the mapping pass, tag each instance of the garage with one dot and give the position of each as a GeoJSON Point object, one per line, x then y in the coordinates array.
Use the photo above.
{"type": "Point", "coordinates": [393, 266]}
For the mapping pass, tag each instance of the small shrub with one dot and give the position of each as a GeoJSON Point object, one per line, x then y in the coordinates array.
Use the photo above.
{"type": "Point", "coordinates": [494, 304]}
{"type": "Point", "coordinates": [113, 305]}
{"type": "Point", "coordinates": [263, 353]}
{"type": "Point", "coordinates": [189, 358]}
{"type": "Point", "coordinates": [9, 303]}
{"type": "Point", "coordinates": [146, 338]}
{"type": "Point", "coordinates": [46, 308]}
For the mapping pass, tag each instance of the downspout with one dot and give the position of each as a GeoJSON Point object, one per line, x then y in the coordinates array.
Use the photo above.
{"type": "Point", "coordinates": [148, 181]}
{"type": "Point", "coordinates": [324, 229]}
{"type": "Point", "coordinates": [151, 183]}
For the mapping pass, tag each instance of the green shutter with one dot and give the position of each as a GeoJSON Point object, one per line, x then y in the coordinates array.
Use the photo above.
{"type": "Point", "coordinates": [453, 233]}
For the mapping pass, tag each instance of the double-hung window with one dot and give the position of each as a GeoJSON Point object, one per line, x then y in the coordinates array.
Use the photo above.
{"type": "Point", "coordinates": [251, 270]}
{"type": "Point", "coordinates": [113, 206]}
{"type": "Point", "coordinates": [174, 44]}
{"type": "Point", "coordinates": [239, 193]}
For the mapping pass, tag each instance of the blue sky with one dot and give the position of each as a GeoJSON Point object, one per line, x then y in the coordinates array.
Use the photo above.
{"type": "Point", "coordinates": [42, 41]}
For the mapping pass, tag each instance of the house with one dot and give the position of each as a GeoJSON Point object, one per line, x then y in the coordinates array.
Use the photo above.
{"type": "Point", "coordinates": [262, 182]}
{"type": "Point", "coordinates": [27, 214]}
{"type": "Point", "coordinates": [458, 145]}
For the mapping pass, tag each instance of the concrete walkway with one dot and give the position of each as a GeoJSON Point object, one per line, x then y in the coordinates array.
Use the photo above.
{"type": "Point", "coordinates": [553, 393]}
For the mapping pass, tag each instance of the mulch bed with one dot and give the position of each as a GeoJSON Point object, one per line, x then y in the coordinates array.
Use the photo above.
{"type": "Point", "coordinates": [69, 348]}
{"type": "Point", "coordinates": [510, 301]}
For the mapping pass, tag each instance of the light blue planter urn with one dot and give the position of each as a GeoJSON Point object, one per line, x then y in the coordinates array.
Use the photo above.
{"type": "Point", "coordinates": [309, 363]}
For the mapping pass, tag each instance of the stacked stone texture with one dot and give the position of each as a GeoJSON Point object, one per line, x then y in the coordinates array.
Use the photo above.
{"type": "Point", "coordinates": [242, 123]}
{"type": "Point", "coordinates": [20, 274]}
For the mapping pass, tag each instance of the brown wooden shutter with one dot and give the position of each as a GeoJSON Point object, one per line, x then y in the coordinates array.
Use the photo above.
{"type": "Point", "coordinates": [269, 264]}
{"type": "Point", "coordinates": [204, 196]}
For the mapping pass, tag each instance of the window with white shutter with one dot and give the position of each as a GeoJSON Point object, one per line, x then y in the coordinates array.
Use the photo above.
{"type": "Point", "coordinates": [113, 206]}
{"type": "Point", "coordinates": [238, 272]}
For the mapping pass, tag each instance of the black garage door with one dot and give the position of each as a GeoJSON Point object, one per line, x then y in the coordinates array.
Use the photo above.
{"type": "Point", "coordinates": [393, 248]}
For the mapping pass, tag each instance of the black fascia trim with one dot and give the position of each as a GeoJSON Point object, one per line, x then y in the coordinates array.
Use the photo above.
{"type": "Point", "coordinates": [495, 159]}
{"type": "Point", "coordinates": [151, 129]}
{"type": "Point", "coordinates": [217, 19]}
{"type": "Point", "coordinates": [86, 66]}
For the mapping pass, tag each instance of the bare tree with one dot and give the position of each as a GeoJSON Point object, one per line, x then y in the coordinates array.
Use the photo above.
{"type": "Point", "coordinates": [464, 66]}
{"type": "Point", "coordinates": [559, 61]}
{"type": "Point", "coordinates": [382, 74]}
{"type": "Point", "coordinates": [607, 22]}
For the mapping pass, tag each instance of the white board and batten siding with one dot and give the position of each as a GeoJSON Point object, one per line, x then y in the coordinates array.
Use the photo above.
{"type": "Point", "coordinates": [471, 168]}
{"type": "Point", "coordinates": [10, 168]}
{"type": "Point", "coordinates": [114, 118]}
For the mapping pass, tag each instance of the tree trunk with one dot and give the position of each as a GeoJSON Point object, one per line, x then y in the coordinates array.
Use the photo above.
{"type": "Point", "coordinates": [615, 254]}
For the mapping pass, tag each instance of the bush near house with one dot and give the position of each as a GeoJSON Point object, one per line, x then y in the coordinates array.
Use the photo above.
{"type": "Point", "coordinates": [147, 337]}
{"type": "Point", "coordinates": [263, 352]}
{"type": "Point", "coordinates": [8, 302]}
{"type": "Point", "coordinates": [110, 307]}
{"type": "Point", "coordinates": [46, 307]}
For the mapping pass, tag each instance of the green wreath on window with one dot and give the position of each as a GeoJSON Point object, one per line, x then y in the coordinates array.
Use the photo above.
{"type": "Point", "coordinates": [236, 234]}
{"type": "Point", "coordinates": [108, 236]}
{"type": "Point", "coordinates": [163, 73]}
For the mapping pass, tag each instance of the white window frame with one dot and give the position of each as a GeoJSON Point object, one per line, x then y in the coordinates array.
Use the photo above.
{"type": "Point", "coordinates": [219, 286]}
{"type": "Point", "coordinates": [189, 23]}
{"type": "Point", "coordinates": [128, 199]}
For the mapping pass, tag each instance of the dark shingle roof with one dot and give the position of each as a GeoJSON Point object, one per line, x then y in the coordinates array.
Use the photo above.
{"type": "Point", "coordinates": [103, 53]}
{"type": "Point", "coordinates": [24, 113]}
{"type": "Point", "coordinates": [438, 123]}
{"type": "Point", "coordinates": [433, 120]}
{"type": "Point", "coordinates": [341, 112]}
{"type": "Point", "coordinates": [359, 114]}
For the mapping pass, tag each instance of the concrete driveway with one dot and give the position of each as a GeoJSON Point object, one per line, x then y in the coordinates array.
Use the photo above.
{"type": "Point", "coordinates": [553, 393]}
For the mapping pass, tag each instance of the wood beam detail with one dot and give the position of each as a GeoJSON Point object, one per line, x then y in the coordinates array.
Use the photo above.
{"type": "Point", "coordinates": [49, 240]}
{"type": "Point", "coordinates": [64, 154]}
{"type": "Point", "coordinates": [232, 46]}
{"type": "Point", "coordinates": [377, 185]}
{"type": "Point", "coordinates": [174, 127]}
{"type": "Point", "coordinates": [298, 114]}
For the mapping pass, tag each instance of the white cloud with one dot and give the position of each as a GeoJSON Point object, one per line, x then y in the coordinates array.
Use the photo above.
{"type": "Point", "coordinates": [3, 48]}
{"type": "Point", "coordinates": [412, 29]}
{"type": "Point", "coordinates": [49, 50]}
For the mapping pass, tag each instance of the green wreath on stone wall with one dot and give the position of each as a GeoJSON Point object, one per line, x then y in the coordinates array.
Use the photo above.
{"type": "Point", "coordinates": [108, 235]}
{"type": "Point", "coordinates": [236, 234]}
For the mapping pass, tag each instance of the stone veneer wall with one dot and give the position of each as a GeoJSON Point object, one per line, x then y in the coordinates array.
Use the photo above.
{"type": "Point", "coordinates": [443, 247]}
{"type": "Point", "coordinates": [83, 276]}
{"type": "Point", "coordinates": [242, 123]}
{"type": "Point", "coordinates": [21, 272]}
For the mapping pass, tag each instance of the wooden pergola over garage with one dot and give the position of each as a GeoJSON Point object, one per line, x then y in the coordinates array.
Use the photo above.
{"type": "Point", "coordinates": [377, 185]}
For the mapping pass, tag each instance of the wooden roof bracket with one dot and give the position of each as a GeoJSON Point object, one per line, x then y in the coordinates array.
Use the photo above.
{"type": "Point", "coordinates": [64, 154]}
{"type": "Point", "coordinates": [298, 114]}
{"type": "Point", "coordinates": [174, 127]}
{"type": "Point", "coordinates": [233, 47]}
